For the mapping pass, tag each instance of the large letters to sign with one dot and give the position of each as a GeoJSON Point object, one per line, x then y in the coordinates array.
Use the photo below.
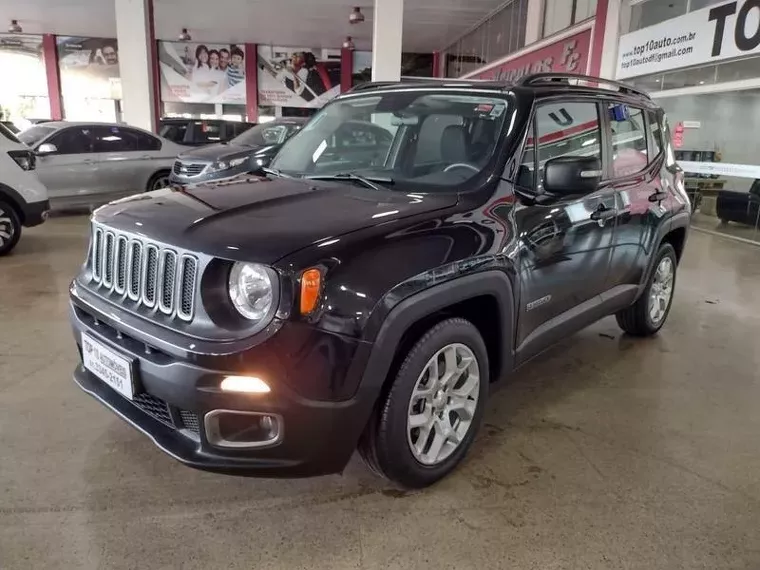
{"type": "Point", "coordinates": [730, 29]}
{"type": "Point", "coordinates": [569, 55]}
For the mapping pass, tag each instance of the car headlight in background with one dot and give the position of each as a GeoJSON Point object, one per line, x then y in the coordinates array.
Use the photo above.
{"type": "Point", "coordinates": [251, 288]}
{"type": "Point", "coordinates": [220, 165]}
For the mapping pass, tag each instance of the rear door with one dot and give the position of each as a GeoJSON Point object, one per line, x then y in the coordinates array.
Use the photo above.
{"type": "Point", "coordinates": [69, 172]}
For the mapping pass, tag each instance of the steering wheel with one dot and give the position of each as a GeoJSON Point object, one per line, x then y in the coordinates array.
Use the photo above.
{"type": "Point", "coordinates": [461, 165]}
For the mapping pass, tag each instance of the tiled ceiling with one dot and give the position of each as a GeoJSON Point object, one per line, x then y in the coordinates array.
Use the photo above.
{"type": "Point", "coordinates": [428, 24]}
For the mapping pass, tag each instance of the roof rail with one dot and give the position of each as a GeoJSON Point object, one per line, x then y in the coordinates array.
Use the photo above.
{"type": "Point", "coordinates": [410, 79]}
{"type": "Point", "coordinates": [537, 79]}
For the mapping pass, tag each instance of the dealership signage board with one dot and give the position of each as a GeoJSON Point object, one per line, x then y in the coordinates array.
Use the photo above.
{"type": "Point", "coordinates": [724, 31]}
{"type": "Point", "coordinates": [569, 55]}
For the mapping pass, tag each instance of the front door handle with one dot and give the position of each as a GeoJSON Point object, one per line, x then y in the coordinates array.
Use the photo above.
{"type": "Point", "coordinates": [658, 196]}
{"type": "Point", "coordinates": [603, 213]}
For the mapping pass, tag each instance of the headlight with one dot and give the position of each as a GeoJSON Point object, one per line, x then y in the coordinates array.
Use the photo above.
{"type": "Point", "coordinates": [251, 290]}
{"type": "Point", "coordinates": [220, 165]}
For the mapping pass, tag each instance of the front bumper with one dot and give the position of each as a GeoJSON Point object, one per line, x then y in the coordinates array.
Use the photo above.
{"type": "Point", "coordinates": [36, 213]}
{"type": "Point", "coordinates": [172, 397]}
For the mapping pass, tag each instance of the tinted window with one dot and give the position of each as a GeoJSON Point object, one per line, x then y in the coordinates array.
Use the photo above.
{"type": "Point", "coordinates": [33, 135]}
{"type": "Point", "coordinates": [629, 139]}
{"type": "Point", "coordinates": [174, 132]}
{"type": "Point", "coordinates": [73, 140]}
{"type": "Point", "coordinates": [146, 141]}
{"type": "Point", "coordinates": [207, 132]}
{"type": "Point", "coordinates": [114, 139]}
{"type": "Point", "coordinates": [565, 128]}
{"type": "Point", "coordinates": [266, 134]}
{"type": "Point", "coordinates": [237, 129]}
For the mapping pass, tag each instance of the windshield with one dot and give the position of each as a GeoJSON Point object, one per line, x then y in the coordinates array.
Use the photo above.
{"type": "Point", "coordinates": [420, 139]}
{"type": "Point", "coordinates": [33, 135]}
{"type": "Point", "coordinates": [266, 134]}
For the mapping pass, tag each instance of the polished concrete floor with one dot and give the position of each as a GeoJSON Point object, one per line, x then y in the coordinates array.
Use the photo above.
{"type": "Point", "coordinates": [606, 452]}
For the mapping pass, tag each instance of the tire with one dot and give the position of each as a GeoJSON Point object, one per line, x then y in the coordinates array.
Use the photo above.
{"type": "Point", "coordinates": [158, 181]}
{"type": "Point", "coordinates": [386, 445]}
{"type": "Point", "coordinates": [10, 228]}
{"type": "Point", "coordinates": [638, 319]}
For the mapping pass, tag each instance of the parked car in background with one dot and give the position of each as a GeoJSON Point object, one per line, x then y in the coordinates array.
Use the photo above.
{"type": "Point", "coordinates": [197, 132]}
{"type": "Point", "coordinates": [23, 198]}
{"type": "Point", "coordinates": [742, 207]}
{"type": "Point", "coordinates": [248, 152]}
{"type": "Point", "coordinates": [86, 164]}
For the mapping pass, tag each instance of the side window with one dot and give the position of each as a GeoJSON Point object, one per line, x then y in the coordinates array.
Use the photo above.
{"type": "Point", "coordinates": [114, 139]}
{"type": "Point", "coordinates": [73, 140]}
{"type": "Point", "coordinates": [146, 141]}
{"type": "Point", "coordinates": [566, 128]}
{"type": "Point", "coordinates": [431, 137]}
{"type": "Point", "coordinates": [175, 132]}
{"type": "Point", "coordinates": [655, 133]}
{"type": "Point", "coordinates": [629, 139]}
{"type": "Point", "coordinates": [207, 132]}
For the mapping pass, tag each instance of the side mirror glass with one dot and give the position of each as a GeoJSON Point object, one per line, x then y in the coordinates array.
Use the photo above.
{"type": "Point", "coordinates": [572, 175]}
{"type": "Point", "coordinates": [46, 148]}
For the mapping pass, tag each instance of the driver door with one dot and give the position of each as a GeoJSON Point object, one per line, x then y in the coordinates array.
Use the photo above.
{"type": "Point", "coordinates": [69, 172]}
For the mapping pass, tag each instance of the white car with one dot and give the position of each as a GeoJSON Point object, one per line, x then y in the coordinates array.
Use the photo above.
{"type": "Point", "coordinates": [23, 198]}
{"type": "Point", "coordinates": [87, 164]}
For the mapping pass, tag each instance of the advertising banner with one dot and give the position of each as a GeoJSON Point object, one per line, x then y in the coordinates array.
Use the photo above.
{"type": "Point", "coordinates": [202, 73]}
{"type": "Point", "coordinates": [730, 29]}
{"type": "Point", "coordinates": [297, 77]}
{"type": "Point", "coordinates": [89, 67]}
{"type": "Point", "coordinates": [569, 55]}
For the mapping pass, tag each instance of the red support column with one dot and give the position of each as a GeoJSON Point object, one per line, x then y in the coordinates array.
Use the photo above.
{"type": "Point", "coordinates": [154, 70]}
{"type": "Point", "coordinates": [50, 57]}
{"type": "Point", "coordinates": [346, 69]}
{"type": "Point", "coordinates": [597, 39]}
{"type": "Point", "coordinates": [251, 83]}
{"type": "Point", "coordinates": [437, 64]}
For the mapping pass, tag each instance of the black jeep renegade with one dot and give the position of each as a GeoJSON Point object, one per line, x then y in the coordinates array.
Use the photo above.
{"type": "Point", "coordinates": [370, 291]}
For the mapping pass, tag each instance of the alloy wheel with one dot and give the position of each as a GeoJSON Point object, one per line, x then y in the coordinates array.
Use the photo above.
{"type": "Point", "coordinates": [443, 404]}
{"type": "Point", "coordinates": [661, 290]}
{"type": "Point", "coordinates": [160, 182]}
{"type": "Point", "coordinates": [7, 230]}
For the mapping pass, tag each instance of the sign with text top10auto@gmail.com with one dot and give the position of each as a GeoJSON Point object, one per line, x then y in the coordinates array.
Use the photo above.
{"type": "Point", "coordinates": [723, 31]}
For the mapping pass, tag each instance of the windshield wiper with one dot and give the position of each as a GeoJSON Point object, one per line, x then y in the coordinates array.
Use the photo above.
{"type": "Point", "coordinates": [368, 181]}
{"type": "Point", "coordinates": [274, 172]}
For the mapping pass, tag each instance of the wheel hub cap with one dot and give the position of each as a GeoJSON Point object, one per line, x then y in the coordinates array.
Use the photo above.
{"type": "Point", "coordinates": [661, 290]}
{"type": "Point", "coordinates": [6, 227]}
{"type": "Point", "coordinates": [443, 404]}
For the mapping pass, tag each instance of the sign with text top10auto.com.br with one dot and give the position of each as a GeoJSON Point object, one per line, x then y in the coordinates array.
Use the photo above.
{"type": "Point", "coordinates": [723, 31]}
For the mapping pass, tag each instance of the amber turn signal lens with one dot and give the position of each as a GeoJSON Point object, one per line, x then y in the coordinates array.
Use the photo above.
{"type": "Point", "coordinates": [311, 283]}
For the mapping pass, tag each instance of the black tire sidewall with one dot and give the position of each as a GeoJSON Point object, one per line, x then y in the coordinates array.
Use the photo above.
{"type": "Point", "coordinates": [392, 447]}
{"type": "Point", "coordinates": [155, 177]}
{"type": "Point", "coordinates": [10, 212]}
{"type": "Point", "coordinates": [666, 250]}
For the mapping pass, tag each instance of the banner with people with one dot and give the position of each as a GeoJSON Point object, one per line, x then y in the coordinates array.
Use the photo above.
{"type": "Point", "coordinates": [297, 77]}
{"type": "Point", "coordinates": [202, 73]}
{"type": "Point", "coordinates": [89, 67]}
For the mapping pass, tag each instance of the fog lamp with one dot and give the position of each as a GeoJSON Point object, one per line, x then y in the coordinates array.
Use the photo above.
{"type": "Point", "coordinates": [247, 384]}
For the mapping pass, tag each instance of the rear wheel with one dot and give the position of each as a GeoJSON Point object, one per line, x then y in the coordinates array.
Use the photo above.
{"type": "Point", "coordinates": [158, 181]}
{"type": "Point", "coordinates": [10, 228]}
{"type": "Point", "coordinates": [647, 315]}
{"type": "Point", "coordinates": [424, 426]}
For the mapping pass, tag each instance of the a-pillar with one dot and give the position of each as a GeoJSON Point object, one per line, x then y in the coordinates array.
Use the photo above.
{"type": "Point", "coordinates": [386, 40]}
{"type": "Point", "coordinates": [137, 63]}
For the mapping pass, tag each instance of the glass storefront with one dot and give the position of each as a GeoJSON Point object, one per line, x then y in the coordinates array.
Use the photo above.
{"type": "Point", "coordinates": [24, 94]}
{"type": "Point", "coordinates": [561, 14]}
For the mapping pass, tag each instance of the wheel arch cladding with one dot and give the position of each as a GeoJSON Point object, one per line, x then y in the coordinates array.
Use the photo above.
{"type": "Point", "coordinates": [14, 200]}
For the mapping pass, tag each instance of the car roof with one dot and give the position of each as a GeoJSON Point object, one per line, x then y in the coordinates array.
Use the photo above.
{"type": "Point", "coordinates": [538, 83]}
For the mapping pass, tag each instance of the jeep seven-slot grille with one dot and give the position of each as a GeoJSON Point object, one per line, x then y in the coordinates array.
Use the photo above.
{"type": "Point", "coordinates": [149, 274]}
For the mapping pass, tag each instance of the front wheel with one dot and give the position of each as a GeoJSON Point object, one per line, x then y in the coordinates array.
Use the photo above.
{"type": "Point", "coordinates": [424, 426]}
{"type": "Point", "coordinates": [10, 228]}
{"type": "Point", "coordinates": [648, 314]}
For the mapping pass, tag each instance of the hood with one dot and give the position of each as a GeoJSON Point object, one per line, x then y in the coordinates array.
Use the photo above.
{"type": "Point", "coordinates": [261, 220]}
{"type": "Point", "coordinates": [218, 151]}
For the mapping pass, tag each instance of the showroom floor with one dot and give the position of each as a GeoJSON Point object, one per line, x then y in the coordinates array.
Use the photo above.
{"type": "Point", "coordinates": [606, 452]}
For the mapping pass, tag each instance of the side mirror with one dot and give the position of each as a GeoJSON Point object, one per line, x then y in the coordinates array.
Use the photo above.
{"type": "Point", "coordinates": [572, 175]}
{"type": "Point", "coordinates": [46, 148]}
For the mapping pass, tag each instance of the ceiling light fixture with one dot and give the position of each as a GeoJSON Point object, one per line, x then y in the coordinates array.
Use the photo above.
{"type": "Point", "coordinates": [15, 28]}
{"type": "Point", "coordinates": [349, 43]}
{"type": "Point", "coordinates": [356, 16]}
{"type": "Point", "coordinates": [184, 36]}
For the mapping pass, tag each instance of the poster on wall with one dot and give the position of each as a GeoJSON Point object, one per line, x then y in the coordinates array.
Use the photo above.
{"type": "Point", "coordinates": [723, 31]}
{"type": "Point", "coordinates": [202, 73]}
{"type": "Point", "coordinates": [297, 77]}
{"type": "Point", "coordinates": [89, 67]}
{"type": "Point", "coordinates": [568, 55]}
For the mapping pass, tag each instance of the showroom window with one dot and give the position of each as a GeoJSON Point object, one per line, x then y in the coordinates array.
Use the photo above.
{"type": "Point", "coordinates": [650, 12]}
{"type": "Point", "coordinates": [561, 14]}
{"type": "Point", "coordinates": [712, 74]}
